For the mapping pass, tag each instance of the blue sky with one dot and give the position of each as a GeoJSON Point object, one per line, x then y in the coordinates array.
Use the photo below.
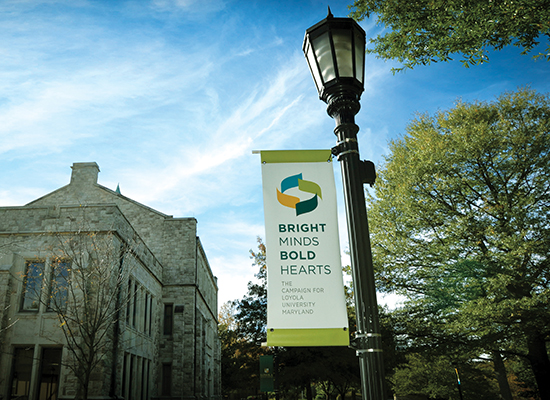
{"type": "Point", "coordinates": [170, 98]}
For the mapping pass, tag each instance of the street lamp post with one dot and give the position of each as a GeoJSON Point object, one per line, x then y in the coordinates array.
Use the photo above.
{"type": "Point", "coordinates": [335, 51]}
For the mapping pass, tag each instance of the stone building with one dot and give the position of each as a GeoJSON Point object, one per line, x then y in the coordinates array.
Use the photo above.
{"type": "Point", "coordinates": [162, 340]}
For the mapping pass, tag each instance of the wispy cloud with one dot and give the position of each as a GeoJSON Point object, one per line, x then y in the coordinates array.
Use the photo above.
{"type": "Point", "coordinates": [221, 156]}
{"type": "Point", "coordinates": [170, 97]}
{"type": "Point", "coordinates": [197, 7]}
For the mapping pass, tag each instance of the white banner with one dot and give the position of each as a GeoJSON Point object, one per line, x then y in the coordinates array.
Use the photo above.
{"type": "Point", "coordinates": [306, 303]}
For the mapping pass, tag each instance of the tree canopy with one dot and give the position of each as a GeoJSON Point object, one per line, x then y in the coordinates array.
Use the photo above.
{"type": "Point", "coordinates": [242, 330]}
{"type": "Point", "coordinates": [251, 310]}
{"type": "Point", "coordinates": [460, 224]}
{"type": "Point", "coordinates": [424, 31]}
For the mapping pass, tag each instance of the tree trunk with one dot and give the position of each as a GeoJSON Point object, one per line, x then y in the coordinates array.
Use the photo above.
{"type": "Point", "coordinates": [83, 380]}
{"type": "Point", "coordinates": [500, 371]}
{"type": "Point", "coordinates": [540, 363]}
{"type": "Point", "coordinates": [82, 390]}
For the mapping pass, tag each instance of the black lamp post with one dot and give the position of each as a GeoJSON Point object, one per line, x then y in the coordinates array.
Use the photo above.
{"type": "Point", "coordinates": [335, 51]}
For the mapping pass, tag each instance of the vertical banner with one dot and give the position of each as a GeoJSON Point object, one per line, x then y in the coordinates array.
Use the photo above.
{"type": "Point", "coordinates": [305, 289]}
{"type": "Point", "coordinates": [267, 381]}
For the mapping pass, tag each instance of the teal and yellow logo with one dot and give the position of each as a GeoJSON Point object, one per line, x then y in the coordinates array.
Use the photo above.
{"type": "Point", "coordinates": [301, 206]}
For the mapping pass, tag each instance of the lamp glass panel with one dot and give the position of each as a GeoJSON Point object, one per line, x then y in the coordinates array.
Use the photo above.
{"type": "Point", "coordinates": [323, 53]}
{"type": "Point", "coordinates": [359, 55]}
{"type": "Point", "coordinates": [344, 55]}
{"type": "Point", "coordinates": [313, 66]}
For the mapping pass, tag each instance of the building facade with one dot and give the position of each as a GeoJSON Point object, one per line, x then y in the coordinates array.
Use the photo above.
{"type": "Point", "coordinates": [86, 247]}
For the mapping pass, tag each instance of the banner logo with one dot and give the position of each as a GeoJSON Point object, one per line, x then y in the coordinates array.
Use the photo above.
{"type": "Point", "coordinates": [304, 206]}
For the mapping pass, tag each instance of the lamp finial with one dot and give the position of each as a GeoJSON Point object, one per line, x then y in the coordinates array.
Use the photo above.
{"type": "Point", "coordinates": [329, 15]}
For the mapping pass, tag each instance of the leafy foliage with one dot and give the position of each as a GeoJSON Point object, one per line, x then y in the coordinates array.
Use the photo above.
{"type": "Point", "coordinates": [239, 357]}
{"type": "Point", "coordinates": [460, 224]}
{"type": "Point", "coordinates": [242, 328]}
{"type": "Point", "coordinates": [437, 378]}
{"type": "Point", "coordinates": [251, 315]}
{"type": "Point", "coordinates": [426, 31]}
{"type": "Point", "coordinates": [335, 369]}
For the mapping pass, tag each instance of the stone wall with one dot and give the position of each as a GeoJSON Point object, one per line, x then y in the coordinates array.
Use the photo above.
{"type": "Point", "coordinates": [33, 233]}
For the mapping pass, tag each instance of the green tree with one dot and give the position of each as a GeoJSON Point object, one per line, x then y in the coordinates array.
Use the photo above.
{"type": "Point", "coordinates": [460, 223]}
{"type": "Point", "coordinates": [334, 368]}
{"type": "Point", "coordinates": [242, 329]}
{"type": "Point", "coordinates": [239, 357]}
{"type": "Point", "coordinates": [423, 338]}
{"type": "Point", "coordinates": [521, 379]}
{"type": "Point", "coordinates": [229, 348]}
{"type": "Point", "coordinates": [424, 31]}
{"type": "Point", "coordinates": [251, 310]}
{"type": "Point", "coordinates": [435, 377]}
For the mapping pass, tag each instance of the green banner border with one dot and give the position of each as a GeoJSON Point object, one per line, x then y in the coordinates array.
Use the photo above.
{"type": "Point", "coordinates": [308, 337]}
{"type": "Point", "coordinates": [295, 156]}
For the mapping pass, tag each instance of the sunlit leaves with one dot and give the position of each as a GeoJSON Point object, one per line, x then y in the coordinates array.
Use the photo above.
{"type": "Point", "coordinates": [425, 31]}
{"type": "Point", "coordinates": [460, 222]}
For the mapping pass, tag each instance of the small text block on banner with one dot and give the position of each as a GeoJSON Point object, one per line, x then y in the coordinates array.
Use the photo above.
{"type": "Point", "coordinates": [305, 290]}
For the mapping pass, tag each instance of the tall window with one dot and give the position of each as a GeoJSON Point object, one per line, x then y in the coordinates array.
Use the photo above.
{"type": "Point", "coordinates": [143, 378]}
{"type": "Point", "coordinates": [131, 388]}
{"type": "Point", "coordinates": [32, 285]}
{"type": "Point", "coordinates": [168, 318]}
{"type": "Point", "coordinates": [134, 304]}
{"type": "Point", "coordinates": [150, 313]}
{"type": "Point", "coordinates": [146, 312]}
{"type": "Point", "coordinates": [129, 302]}
{"type": "Point", "coordinates": [166, 380]}
{"type": "Point", "coordinates": [147, 379]}
{"type": "Point", "coordinates": [57, 299]}
{"type": "Point", "coordinates": [124, 373]}
{"type": "Point", "coordinates": [21, 373]}
{"type": "Point", "coordinates": [49, 373]}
